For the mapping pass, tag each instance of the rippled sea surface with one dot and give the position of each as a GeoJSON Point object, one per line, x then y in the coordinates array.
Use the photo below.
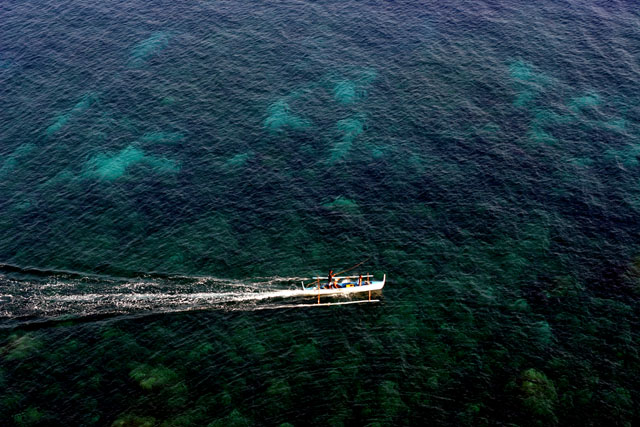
{"type": "Point", "coordinates": [170, 171]}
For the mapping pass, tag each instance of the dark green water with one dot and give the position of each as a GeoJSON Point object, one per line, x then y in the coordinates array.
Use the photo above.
{"type": "Point", "coordinates": [171, 171]}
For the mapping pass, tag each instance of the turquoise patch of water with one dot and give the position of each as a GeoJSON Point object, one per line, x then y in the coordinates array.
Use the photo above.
{"type": "Point", "coordinates": [13, 160]}
{"type": "Point", "coordinates": [580, 103]}
{"type": "Point", "coordinates": [111, 167]}
{"type": "Point", "coordinates": [367, 76]}
{"type": "Point", "coordinates": [59, 123]}
{"type": "Point", "coordinates": [351, 128]}
{"type": "Point", "coordinates": [345, 92]}
{"type": "Point", "coordinates": [348, 91]}
{"type": "Point", "coordinates": [548, 117]}
{"type": "Point", "coordinates": [80, 107]}
{"type": "Point", "coordinates": [339, 150]}
{"type": "Point", "coordinates": [238, 160]}
{"type": "Point", "coordinates": [618, 125]}
{"type": "Point", "coordinates": [280, 117]}
{"type": "Point", "coordinates": [582, 162]}
{"type": "Point", "coordinates": [520, 70]}
{"type": "Point", "coordinates": [341, 202]}
{"type": "Point", "coordinates": [147, 48]}
{"type": "Point", "coordinates": [626, 157]}
{"type": "Point", "coordinates": [524, 98]}
{"type": "Point", "coordinates": [168, 100]}
{"type": "Point", "coordinates": [527, 82]}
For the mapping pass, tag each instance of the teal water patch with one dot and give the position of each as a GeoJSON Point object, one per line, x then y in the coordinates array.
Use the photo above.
{"type": "Point", "coordinates": [13, 160]}
{"type": "Point", "coordinates": [367, 76]}
{"type": "Point", "coordinates": [111, 167]}
{"type": "Point", "coordinates": [543, 120]}
{"type": "Point", "coordinates": [147, 48]}
{"type": "Point", "coordinates": [625, 157]}
{"type": "Point", "coordinates": [522, 71]}
{"type": "Point", "coordinates": [280, 117]}
{"type": "Point", "coordinates": [581, 162]}
{"type": "Point", "coordinates": [237, 161]}
{"type": "Point", "coordinates": [341, 202]}
{"type": "Point", "coordinates": [168, 100]}
{"type": "Point", "coordinates": [61, 120]}
{"type": "Point", "coordinates": [345, 92]}
{"type": "Point", "coordinates": [589, 100]}
{"type": "Point", "coordinates": [349, 91]}
{"type": "Point", "coordinates": [550, 118]}
{"type": "Point", "coordinates": [379, 151]}
{"type": "Point", "coordinates": [527, 82]}
{"type": "Point", "coordinates": [351, 128]}
{"type": "Point", "coordinates": [538, 134]}
{"type": "Point", "coordinates": [617, 125]}
{"type": "Point", "coordinates": [162, 137]}
{"type": "Point", "coordinates": [525, 97]}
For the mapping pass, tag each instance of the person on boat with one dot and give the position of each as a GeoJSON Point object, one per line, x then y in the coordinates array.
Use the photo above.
{"type": "Point", "coordinates": [360, 280]}
{"type": "Point", "coordinates": [330, 282]}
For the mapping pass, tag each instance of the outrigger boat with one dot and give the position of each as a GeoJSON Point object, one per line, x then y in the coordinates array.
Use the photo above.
{"type": "Point", "coordinates": [342, 285]}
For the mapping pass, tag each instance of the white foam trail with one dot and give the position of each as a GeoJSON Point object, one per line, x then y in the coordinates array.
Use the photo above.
{"type": "Point", "coordinates": [85, 296]}
{"type": "Point", "coordinates": [160, 297]}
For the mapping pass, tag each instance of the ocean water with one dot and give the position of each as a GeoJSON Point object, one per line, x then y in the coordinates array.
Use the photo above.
{"type": "Point", "coordinates": [171, 171]}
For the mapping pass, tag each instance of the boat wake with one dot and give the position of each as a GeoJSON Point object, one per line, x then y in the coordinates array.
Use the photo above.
{"type": "Point", "coordinates": [42, 296]}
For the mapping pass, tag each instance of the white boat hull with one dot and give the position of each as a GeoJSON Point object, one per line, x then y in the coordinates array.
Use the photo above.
{"type": "Point", "coordinates": [374, 286]}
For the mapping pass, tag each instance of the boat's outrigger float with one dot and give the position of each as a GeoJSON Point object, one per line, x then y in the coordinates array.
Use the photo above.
{"type": "Point", "coordinates": [341, 285]}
